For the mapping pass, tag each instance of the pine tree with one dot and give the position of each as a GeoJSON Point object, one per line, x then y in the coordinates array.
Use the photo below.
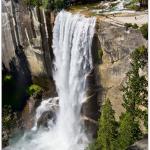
{"type": "Point", "coordinates": [129, 131]}
{"type": "Point", "coordinates": [135, 91]}
{"type": "Point", "coordinates": [107, 128]}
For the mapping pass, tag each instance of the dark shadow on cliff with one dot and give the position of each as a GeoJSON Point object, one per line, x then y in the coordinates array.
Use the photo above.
{"type": "Point", "coordinates": [14, 92]}
{"type": "Point", "coordinates": [92, 105]}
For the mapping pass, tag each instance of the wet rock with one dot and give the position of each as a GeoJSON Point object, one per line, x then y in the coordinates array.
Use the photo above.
{"type": "Point", "coordinates": [28, 113]}
{"type": "Point", "coordinates": [45, 117]}
{"type": "Point", "coordinates": [140, 145]}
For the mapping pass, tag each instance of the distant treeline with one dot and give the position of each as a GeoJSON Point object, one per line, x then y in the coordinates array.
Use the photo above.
{"type": "Point", "coordinates": [60, 4]}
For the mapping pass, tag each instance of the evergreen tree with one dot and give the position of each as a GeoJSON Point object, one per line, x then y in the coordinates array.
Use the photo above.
{"type": "Point", "coordinates": [107, 128]}
{"type": "Point", "coordinates": [135, 91]}
{"type": "Point", "coordinates": [129, 131]}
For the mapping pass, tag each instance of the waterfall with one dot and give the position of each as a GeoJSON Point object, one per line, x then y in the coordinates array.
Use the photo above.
{"type": "Point", "coordinates": [72, 40]}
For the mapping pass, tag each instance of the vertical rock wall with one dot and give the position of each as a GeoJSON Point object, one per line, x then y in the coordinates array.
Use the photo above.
{"type": "Point", "coordinates": [26, 46]}
{"type": "Point", "coordinates": [116, 44]}
{"type": "Point", "coordinates": [31, 29]}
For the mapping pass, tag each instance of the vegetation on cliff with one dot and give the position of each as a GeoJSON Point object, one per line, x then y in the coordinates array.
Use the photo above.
{"type": "Point", "coordinates": [60, 4]}
{"type": "Point", "coordinates": [107, 128]}
{"type": "Point", "coordinates": [9, 122]}
{"type": "Point", "coordinates": [135, 97]}
{"type": "Point", "coordinates": [34, 89]}
{"type": "Point", "coordinates": [144, 30]}
{"type": "Point", "coordinates": [129, 131]}
{"type": "Point", "coordinates": [113, 135]}
{"type": "Point", "coordinates": [54, 4]}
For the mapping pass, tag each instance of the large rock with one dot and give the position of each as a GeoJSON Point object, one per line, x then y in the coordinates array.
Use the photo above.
{"type": "Point", "coordinates": [140, 145]}
{"type": "Point", "coordinates": [45, 117]}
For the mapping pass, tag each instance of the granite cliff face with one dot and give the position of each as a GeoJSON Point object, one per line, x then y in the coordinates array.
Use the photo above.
{"type": "Point", "coordinates": [27, 31]}
{"type": "Point", "coordinates": [27, 51]}
{"type": "Point", "coordinates": [114, 45]}
{"type": "Point", "coordinates": [26, 46]}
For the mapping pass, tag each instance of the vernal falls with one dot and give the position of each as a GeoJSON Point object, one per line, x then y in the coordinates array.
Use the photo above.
{"type": "Point", "coordinates": [72, 40]}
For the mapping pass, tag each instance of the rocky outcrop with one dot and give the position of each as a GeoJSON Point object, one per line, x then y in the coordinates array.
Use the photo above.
{"type": "Point", "coordinates": [30, 29]}
{"type": "Point", "coordinates": [140, 145]}
{"type": "Point", "coordinates": [116, 45]}
{"type": "Point", "coordinates": [26, 46]}
{"type": "Point", "coordinates": [112, 46]}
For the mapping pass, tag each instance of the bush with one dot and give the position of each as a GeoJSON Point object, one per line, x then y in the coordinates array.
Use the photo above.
{"type": "Point", "coordinates": [9, 122]}
{"type": "Point", "coordinates": [7, 78]}
{"type": "Point", "coordinates": [135, 26]}
{"type": "Point", "coordinates": [98, 56]}
{"type": "Point", "coordinates": [31, 2]}
{"type": "Point", "coordinates": [100, 53]}
{"type": "Point", "coordinates": [55, 4]}
{"type": "Point", "coordinates": [34, 89]}
{"type": "Point", "coordinates": [144, 30]}
{"type": "Point", "coordinates": [130, 25]}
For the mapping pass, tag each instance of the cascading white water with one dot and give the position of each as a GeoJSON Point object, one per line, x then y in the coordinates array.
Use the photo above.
{"type": "Point", "coordinates": [72, 40]}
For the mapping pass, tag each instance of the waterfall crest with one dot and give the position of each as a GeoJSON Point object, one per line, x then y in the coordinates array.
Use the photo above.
{"type": "Point", "coordinates": [72, 40]}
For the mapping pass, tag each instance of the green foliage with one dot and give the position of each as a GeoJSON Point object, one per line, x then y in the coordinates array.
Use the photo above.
{"type": "Point", "coordinates": [50, 4]}
{"type": "Point", "coordinates": [135, 26]}
{"type": "Point", "coordinates": [135, 90]}
{"type": "Point", "coordinates": [7, 78]}
{"type": "Point", "coordinates": [92, 146]}
{"type": "Point", "coordinates": [32, 2]}
{"type": "Point", "coordinates": [98, 56]}
{"type": "Point", "coordinates": [107, 128]}
{"type": "Point", "coordinates": [112, 136]}
{"type": "Point", "coordinates": [45, 3]}
{"type": "Point", "coordinates": [144, 30]}
{"type": "Point", "coordinates": [8, 117]}
{"type": "Point", "coordinates": [145, 118]}
{"type": "Point", "coordinates": [58, 4]}
{"type": "Point", "coordinates": [34, 89]}
{"type": "Point", "coordinates": [129, 131]}
{"type": "Point", "coordinates": [9, 122]}
{"type": "Point", "coordinates": [134, 5]}
{"type": "Point", "coordinates": [100, 53]}
{"type": "Point", "coordinates": [130, 25]}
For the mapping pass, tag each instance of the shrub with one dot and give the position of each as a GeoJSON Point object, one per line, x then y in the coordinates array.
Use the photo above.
{"type": "Point", "coordinates": [135, 26]}
{"type": "Point", "coordinates": [55, 4]}
{"type": "Point", "coordinates": [100, 53]}
{"type": "Point", "coordinates": [9, 122]}
{"type": "Point", "coordinates": [34, 89]}
{"type": "Point", "coordinates": [98, 56]}
{"type": "Point", "coordinates": [31, 2]}
{"type": "Point", "coordinates": [7, 78]}
{"type": "Point", "coordinates": [130, 25]}
{"type": "Point", "coordinates": [144, 30]}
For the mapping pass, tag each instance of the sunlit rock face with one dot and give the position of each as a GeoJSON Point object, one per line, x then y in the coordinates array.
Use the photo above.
{"type": "Point", "coordinates": [26, 47]}
{"type": "Point", "coordinates": [116, 44]}
{"type": "Point", "coordinates": [30, 29]}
